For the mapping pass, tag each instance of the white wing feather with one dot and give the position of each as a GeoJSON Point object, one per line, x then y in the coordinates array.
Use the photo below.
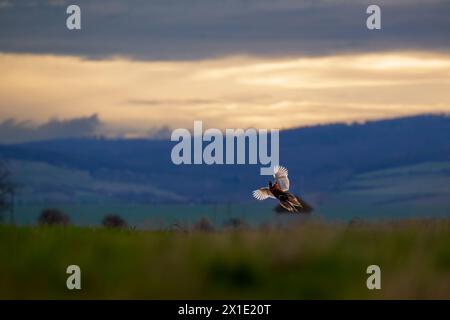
{"type": "Point", "coordinates": [263, 194]}
{"type": "Point", "coordinates": [281, 176]}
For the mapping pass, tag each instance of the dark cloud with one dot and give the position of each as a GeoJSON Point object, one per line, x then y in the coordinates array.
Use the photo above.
{"type": "Point", "coordinates": [194, 29]}
{"type": "Point", "coordinates": [12, 131]}
{"type": "Point", "coordinates": [162, 133]}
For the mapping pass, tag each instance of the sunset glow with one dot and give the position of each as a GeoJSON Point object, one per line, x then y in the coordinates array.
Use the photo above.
{"type": "Point", "coordinates": [133, 97]}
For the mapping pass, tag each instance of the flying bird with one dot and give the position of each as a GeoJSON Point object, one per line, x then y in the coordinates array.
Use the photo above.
{"type": "Point", "coordinates": [279, 190]}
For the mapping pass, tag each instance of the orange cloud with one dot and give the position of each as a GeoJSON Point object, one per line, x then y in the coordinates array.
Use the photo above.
{"type": "Point", "coordinates": [239, 91]}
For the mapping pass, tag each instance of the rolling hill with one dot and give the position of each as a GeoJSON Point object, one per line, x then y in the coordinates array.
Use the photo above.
{"type": "Point", "coordinates": [378, 163]}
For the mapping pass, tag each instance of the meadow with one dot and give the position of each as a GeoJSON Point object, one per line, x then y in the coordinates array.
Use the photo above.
{"type": "Point", "coordinates": [312, 260]}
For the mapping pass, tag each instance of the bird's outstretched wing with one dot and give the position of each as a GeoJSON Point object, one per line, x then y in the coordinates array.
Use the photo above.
{"type": "Point", "coordinates": [281, 176]}
{"type": "Point", "coordinates": [263, 194]}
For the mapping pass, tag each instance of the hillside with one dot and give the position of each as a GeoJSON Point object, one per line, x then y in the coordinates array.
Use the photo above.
{"type": "Point", "coordinates": [399, 165]}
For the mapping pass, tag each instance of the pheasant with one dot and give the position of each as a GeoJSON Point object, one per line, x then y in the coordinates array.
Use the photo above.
{"type": "Point", "coordinates": [279, 190]}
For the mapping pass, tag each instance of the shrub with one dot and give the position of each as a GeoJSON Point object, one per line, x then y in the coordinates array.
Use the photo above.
{"type": "Point", "coordinates": [114, 221]}
{"type": "Point", "coordinates": [6, 188]}
{"type": "Point", "coordinates": [235, 223]}
{"type": "Point", "coordinates": [179, 226]}
{"type": "Point", "coordinates": [204, 225]}
{"type": "Point", "coordinates": [53, 217]}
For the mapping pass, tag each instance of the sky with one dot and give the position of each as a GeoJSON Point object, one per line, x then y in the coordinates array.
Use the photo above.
{"type": "Point", "coordinates": [142, 68]}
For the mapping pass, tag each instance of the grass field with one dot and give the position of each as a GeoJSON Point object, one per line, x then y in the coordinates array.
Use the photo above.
{"type": "Point", "coordinates": [309, 261]}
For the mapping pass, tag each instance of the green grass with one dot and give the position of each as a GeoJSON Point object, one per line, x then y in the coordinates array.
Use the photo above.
{"type": "Point", "coordinates": [311, 261]}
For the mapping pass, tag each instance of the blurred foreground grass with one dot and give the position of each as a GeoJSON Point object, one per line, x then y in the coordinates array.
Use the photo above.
{"type": "Point", "coordinates": [312, 261]}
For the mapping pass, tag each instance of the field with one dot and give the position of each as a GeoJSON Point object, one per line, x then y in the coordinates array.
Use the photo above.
{"type": "Point", "coordinates": [421, 190]}
{"type": "Point", "coordinates": [308, 261]}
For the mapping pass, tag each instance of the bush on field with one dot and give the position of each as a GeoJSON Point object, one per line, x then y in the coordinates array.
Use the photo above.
{"type": "Point", "coordinates": [53, 217]}
{"type": "Point", "coordinates": [179, 226]}
{"type": "Point", "coordinates": [235, 223]}
{"type": "Point", "coordinates": [114, 221]}
{"type": "Point", "coordinates": [204, 225]}
{"type": "Point", "coordinates": [6, 188]}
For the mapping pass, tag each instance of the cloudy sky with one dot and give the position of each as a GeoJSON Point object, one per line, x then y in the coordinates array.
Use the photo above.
{"type": "Point", "coordinates": [139, 67]}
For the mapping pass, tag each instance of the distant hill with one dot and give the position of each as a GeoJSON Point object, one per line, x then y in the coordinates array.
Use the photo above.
{"type": "Point", "coordinates": [321, 159]}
